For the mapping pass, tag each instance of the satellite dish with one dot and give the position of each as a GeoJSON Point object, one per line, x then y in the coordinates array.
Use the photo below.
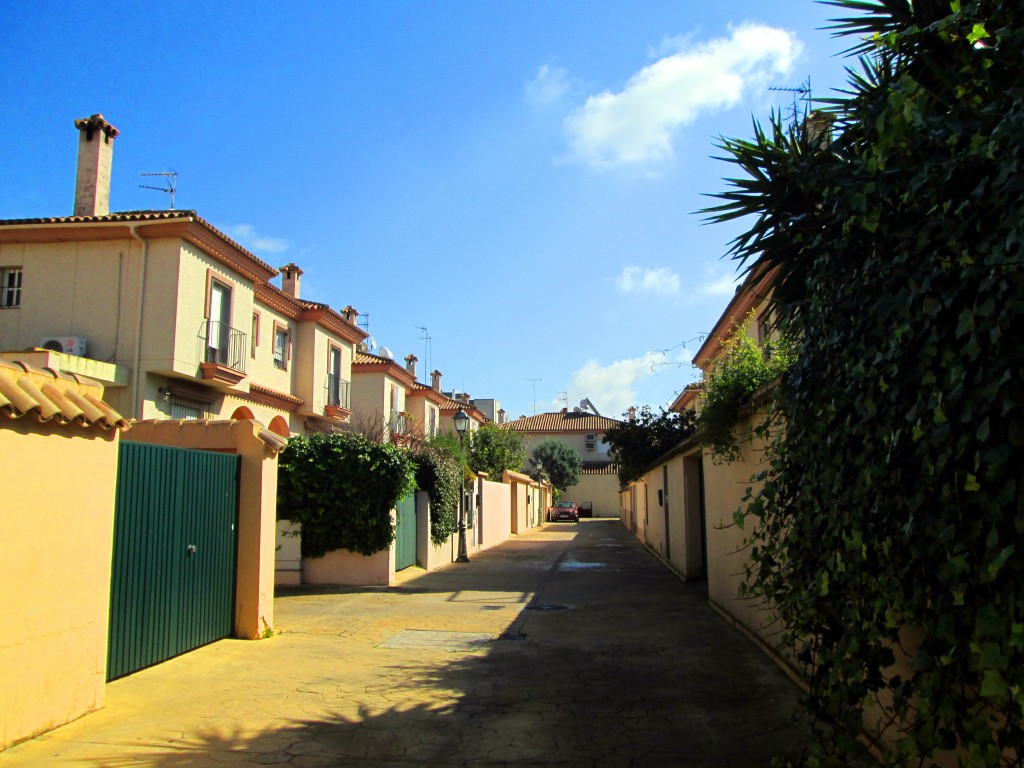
{"type": "Point", "coordinates": [385, 352]}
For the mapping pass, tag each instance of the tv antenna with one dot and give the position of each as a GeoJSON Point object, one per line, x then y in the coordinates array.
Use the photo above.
{"type": "Point", "coordinates": [801, 92]}
{"type": "Point", "coordinates": [371, 343]}
{"type": "Point", "coordinates": [564, 398]}
{"type": "Point", "coordinates": [535, 394]}
{"type": "Point", "coordinates": [427, 347]}
{"type": "Point", "coordinates": [170, 180]}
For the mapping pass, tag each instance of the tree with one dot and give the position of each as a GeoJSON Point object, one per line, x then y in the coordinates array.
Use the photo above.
{"type": "Point", "coordinates": [341, 488]}
{"type": "Point", "coordinates": [636, 444]}
{"type": "Point", "coordinates": [892, 505]}
{"type": "Point", "coordinates": [556, 462]}
{"type": "Point", "coordinates": [493, 449]}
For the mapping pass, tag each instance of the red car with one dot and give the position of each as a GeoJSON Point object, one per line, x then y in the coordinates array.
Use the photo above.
{"type": "Point", "coordinates": [564, 510]}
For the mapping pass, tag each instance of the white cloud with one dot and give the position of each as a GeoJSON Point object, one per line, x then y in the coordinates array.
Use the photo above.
{"type": "Point", "coordinates": [246, 234]}
{"type": "Point", "coordinates": [636, 126]}
{"type": "Point", "coordinates": [612, 387]}
{"type": "Point", "coordinates": [638, 279]}
{"type": "Point", "coordinates": [722, 286]}
{"type": "Point", "coordinates": [549, 86]}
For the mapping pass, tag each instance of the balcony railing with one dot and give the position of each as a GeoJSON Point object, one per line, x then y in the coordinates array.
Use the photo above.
{"type": "Point", "coordinates": [223, 351]}
{"type": "Point", "coordinates": [399, 424]}
{"type": "Point", "coordinates": [337, 392]}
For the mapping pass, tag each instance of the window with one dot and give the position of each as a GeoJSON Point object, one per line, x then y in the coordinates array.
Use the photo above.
{"type": "Point", "coordinates": [183, 408]}
{"type": "Point", "coordinates": [334, 376]}
{"type": "Point", "coordinates": [10, 287]}
{"type": "Point", "coordinates": [591, 442]}
{"type": "Point", "coordinates": [433, 423]}
{"type": "Point", "coordinates": [218, 334]}
{"type": "Point", "coordinates": [255, 339]}
{"type": "Point", "coordinates": [280, 347]}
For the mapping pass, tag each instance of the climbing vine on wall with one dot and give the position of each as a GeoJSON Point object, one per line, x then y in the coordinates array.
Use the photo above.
{"type": "Point", "coordinates": [742, 370]}
{"type": "Point", "coordinates": [439, 472]}
{"type": "Point", "coordinates": [888, 533]}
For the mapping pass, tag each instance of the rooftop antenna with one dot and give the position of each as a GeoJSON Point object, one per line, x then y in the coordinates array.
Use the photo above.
{"type": "Point", "coordinates": [363, 322]}
{"type": "Point", "coordinates": [427, 347]}
{"type": "Point", "coordinates": [563, 397]}
{"type": "Point", "coordinates": [171, 181]}
{"type": "Point", "coordinates": [801, 92]}
{"type": "Point", "coordinates": [535, 394]}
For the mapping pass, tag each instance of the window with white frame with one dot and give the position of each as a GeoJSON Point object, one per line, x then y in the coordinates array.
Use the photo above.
{"type": "Point", "coordinates": [280, 347]}
{"type": "Point", "coordinates": [10, 287]}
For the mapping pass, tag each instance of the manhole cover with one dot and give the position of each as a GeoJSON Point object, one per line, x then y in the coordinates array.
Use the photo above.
{"type": "Point", "coordinates": [546, 608]}
{"type": "Point", "coordinates": [438, 640]}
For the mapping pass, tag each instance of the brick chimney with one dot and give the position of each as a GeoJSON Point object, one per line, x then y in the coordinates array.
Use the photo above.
{"type": "Point", "coordinates": [435, 381]}
{"type": "Point", "coordinates": [632, 414]}
{"type": "Point", "coordinates": [410, 365]}
{"type": "Point", "coordinates": [501, 415]}
{"type": "Point", "coordinates": [290, 274]}
{"type": "Point", "coordinates": [95, 155]}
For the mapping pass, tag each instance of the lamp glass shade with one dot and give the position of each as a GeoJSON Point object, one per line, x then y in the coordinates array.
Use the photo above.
{"type": "Point", "coordinates": [461, 421]}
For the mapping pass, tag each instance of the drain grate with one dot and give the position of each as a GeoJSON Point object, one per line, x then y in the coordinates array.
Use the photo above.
{"type": "Point", "coordinates": [438, 640]}
{"type": "Point", "coordinates": [547, 608]}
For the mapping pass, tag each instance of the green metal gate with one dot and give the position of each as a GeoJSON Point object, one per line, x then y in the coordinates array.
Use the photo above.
{"type": "Point", "coordinates": [173, 572]}
{"type": "Point", "coordinates": [405, 533]}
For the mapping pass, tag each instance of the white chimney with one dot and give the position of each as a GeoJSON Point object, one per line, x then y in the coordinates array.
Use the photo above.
{"type": "Point", "coordinates": [95, 156]}
{"type": "Point", "coordinates": [410, 365]}
{"type": "Point", "coordinates": [290, 275]}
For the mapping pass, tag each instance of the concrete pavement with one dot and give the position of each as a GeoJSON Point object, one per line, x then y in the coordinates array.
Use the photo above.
{"type": "Point", "coordinates": [569, 645]}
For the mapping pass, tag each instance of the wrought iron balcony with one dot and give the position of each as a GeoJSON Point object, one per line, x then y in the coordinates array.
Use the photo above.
{"type": "Point", "coordinates": [223, 352]}
{"type": "Point", "coordinates": [399, 424]}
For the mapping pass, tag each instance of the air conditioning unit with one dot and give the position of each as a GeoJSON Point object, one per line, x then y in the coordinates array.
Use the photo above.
{"type": "Point", "coordinates": [69, 345]}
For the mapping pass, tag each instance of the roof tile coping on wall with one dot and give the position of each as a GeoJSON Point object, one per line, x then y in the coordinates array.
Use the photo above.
{"type": "Point", "coordinates": [63, 398]}
{"type": "Point", "coordinates": [165, 431]}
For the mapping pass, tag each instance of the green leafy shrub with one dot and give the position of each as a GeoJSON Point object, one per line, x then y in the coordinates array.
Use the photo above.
{"type": "Point", "coordinates": [342, 489]}
{"type": "Point", "coordinates": [743, 369]}
{"type": "Point", "coordinates": [891, 519]}
{"type": "Point", "coordinates": [440, 474]}
{"type": "Point", "coordinates": [493, 449]}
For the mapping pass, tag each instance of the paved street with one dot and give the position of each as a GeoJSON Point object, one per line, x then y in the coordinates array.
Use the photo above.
{"type": "Point", "coordinates": [569, 645]}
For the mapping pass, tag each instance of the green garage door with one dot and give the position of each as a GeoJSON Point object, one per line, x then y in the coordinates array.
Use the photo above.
{"type": "Point", "coordinates": [405, 532]}
{"type": "Point", "coordinates": [173, 571]}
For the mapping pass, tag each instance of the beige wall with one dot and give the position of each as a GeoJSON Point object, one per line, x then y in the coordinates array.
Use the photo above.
{"type": "Point", "coordinates": [725, 486]}
{"type": "Point", "coordinates": [495, 515]}
{"type": "Point", "coordinates": [55, 573]}
{"type": "Point", "coordinates": [343, 567]}
{"type": "Point", "coordinates": [288, 559]}
{"type": "Point", "coordinates": [600, 490]}
{"type": "Point", "coordinates": [429, 555]}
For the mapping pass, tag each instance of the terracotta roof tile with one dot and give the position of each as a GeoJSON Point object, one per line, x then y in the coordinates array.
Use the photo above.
{"type": "Point", "coordinates": [133, 216]}
{"type": "Point", "coordinates": [563, 422]}
{"type": "Point", "coordinates": [599, 468]}
{"type": "Point", "coordinates": [50, 396]}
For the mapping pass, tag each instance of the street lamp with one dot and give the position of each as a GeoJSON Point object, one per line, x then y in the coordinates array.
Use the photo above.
{"type": "Point", "coordinates": [461, 425]}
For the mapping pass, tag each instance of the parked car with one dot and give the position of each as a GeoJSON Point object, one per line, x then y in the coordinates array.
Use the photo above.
{"type": "Point", "coordinates": [564, 510]}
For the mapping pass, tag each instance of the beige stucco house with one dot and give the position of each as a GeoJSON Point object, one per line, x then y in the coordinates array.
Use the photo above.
{"type": "Point", "coordinates": [582, 431]}
{"type": "Point", "coordinates": [390, 403]}
{"type": "Point", "coordinates": [683, 506]}
{"type": "Point", "coordinates": [188, 321]}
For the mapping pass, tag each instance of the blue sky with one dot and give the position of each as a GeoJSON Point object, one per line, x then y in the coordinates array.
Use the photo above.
{"type": "Point", "coordinates": [520, 178]}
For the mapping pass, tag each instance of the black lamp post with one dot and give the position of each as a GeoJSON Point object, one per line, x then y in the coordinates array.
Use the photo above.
{"type": "Point", "coordinates": [461, 425]}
